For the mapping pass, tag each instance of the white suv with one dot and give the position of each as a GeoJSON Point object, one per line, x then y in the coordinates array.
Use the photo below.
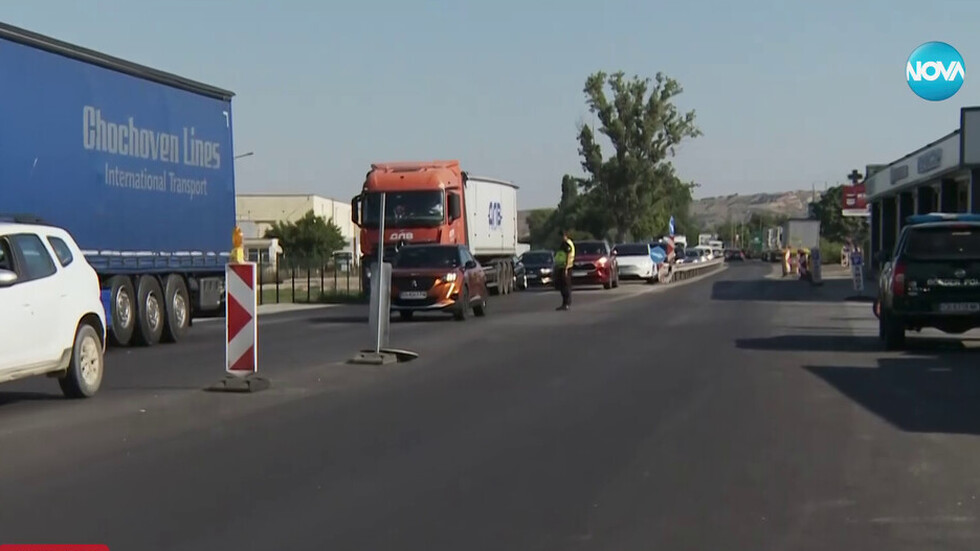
{"type": "Point", "coordinates": [51, 316]}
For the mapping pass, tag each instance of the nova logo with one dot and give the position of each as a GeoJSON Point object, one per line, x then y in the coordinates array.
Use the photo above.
{"type": "Point", "coordinates": [495, 216]}
{"type": "Point", "coordinates": [935, 71]}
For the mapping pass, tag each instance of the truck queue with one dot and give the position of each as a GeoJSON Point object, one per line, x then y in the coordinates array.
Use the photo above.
{"type": "Point", "coordinates": [138, 209]}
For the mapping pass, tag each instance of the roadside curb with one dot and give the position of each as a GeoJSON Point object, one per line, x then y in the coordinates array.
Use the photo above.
{"type": "Point", "coordinates": [273, 309]}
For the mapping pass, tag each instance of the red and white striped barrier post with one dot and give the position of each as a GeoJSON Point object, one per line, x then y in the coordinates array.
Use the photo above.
{"type": "Point", "coordinates": [241, 329]}
{"type": "Point", "coordinates": [241, 323]}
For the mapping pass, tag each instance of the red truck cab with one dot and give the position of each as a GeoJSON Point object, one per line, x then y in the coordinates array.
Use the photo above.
{"type": "Point", "coordinates": [423, 204]}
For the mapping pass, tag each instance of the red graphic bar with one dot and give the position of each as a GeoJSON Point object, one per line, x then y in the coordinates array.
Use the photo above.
{"type": "Point", "coordinates": [51, 547]}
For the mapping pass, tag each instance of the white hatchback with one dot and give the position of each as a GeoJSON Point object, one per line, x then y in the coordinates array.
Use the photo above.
{"type": "Point", "coordinates": [52, 321]}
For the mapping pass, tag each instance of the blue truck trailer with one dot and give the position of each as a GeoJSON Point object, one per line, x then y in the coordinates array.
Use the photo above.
{"type": "Point", "coordinates": [136, 163]}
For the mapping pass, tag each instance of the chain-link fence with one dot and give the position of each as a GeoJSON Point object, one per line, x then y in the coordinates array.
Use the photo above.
{"type": "Point", "coordinates": [308, 281]}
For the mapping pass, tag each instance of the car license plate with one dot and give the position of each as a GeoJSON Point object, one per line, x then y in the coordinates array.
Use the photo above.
{"type": "Point", "coordinates": [579, 273]}
{"type": "Point", "coordinates": [959, 307]}
{"type": "Point", "coordinates": [413, 295]}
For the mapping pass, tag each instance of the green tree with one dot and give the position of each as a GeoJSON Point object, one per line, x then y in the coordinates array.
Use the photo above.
{"type": "Point", "coordinates": [635, 190]}
{"type": "Point", "coordinates": [310, 240]}
{"type": "Point", "coordinates": [834, 226]}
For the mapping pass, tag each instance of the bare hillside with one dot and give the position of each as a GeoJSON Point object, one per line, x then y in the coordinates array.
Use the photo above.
{"type": "Point", "coordinates": [712, 211]}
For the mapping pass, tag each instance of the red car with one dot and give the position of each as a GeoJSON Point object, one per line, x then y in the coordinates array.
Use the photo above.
{"type": "Point", "coordinates": [595, 265]}
{"type": "Point", "coordinates": [437, 278]}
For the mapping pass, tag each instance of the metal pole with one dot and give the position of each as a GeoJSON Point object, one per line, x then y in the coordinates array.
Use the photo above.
{"type": "Point", "coordinates": [381, 259]}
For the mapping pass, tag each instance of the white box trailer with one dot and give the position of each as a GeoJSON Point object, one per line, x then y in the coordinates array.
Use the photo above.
{"type": "Point", "coordinates": [802, 233]}
{"type": "Point", "coordinates": [491, 228]}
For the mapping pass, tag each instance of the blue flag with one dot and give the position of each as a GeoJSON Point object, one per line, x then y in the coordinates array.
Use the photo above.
{"type": "Point", "coordinates": [672, 226]}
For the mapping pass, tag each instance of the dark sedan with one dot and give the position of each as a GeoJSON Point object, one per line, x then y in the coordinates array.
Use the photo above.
{"type": "Point", "coordinates": [538, 265]}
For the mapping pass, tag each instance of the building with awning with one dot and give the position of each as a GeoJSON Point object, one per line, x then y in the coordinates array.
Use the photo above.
{"type": "Point", "coordinates": [941, 176]}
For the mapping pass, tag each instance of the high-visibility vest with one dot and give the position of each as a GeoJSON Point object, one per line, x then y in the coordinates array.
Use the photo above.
{"type": "Point", "coordinates": [565, 260]}
{"type": "Point", "coordinates": [560, 258]}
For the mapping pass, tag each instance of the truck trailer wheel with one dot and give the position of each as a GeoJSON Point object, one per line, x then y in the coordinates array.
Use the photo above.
{"type": "Point", "coordinates": [178, 309]}
{"type": "Point", "coordinates": [498, 287]}
{"type": "Point", "coordinates": [150, 311]}
{"type": "Point", "coordinates": [122, 310]}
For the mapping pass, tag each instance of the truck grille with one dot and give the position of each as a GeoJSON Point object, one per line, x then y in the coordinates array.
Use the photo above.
{"type": "Point", "coordinates": [404, 283]}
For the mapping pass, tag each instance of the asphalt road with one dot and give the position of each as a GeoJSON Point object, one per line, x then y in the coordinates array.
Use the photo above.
{"type": "Point", "coordinates": [733, 412]}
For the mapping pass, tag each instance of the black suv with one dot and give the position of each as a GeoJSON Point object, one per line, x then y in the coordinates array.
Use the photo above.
{"type": "Point", "coordinates": [932, 279]}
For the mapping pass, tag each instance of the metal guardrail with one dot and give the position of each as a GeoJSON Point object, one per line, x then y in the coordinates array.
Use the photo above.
{"type": "Point", "coordinates": [687, 271]}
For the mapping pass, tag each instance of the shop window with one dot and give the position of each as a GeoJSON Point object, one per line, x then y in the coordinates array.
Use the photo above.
{"type": "Point", "coordinates": [962, 197]}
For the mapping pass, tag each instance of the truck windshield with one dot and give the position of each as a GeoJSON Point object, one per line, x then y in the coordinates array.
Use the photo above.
{"type": "Point", "coordinates": [406, 209]}
{"type": "Point", "coordinates": [427, 257]}
{"type": "Point", "coordinates": [944, 243]}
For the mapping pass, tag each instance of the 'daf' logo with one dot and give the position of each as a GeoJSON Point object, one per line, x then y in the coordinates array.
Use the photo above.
{"type": "Point", "coordinates": [495, 217]}
{"type": "Point", "coordinates": [935, 71]}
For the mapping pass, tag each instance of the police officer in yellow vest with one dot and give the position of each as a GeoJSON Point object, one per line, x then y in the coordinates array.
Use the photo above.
{"type": "Point", "coordinates": [564, 259]}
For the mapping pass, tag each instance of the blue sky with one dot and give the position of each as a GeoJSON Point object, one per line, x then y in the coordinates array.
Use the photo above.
{"type": "Point", "coordinates": [788, 93]}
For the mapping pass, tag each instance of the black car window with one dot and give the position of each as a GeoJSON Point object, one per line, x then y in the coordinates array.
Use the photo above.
{"type": "Point", "coordinates": [61, 249]}
{"type": "Point", "coordinates": [632, 250]}
{"type": "Point", "coordinates": [428, 257]}
{"type": "Point", "coordinates": [943, 243]}
{"type": "Point", "coordinates": [537, 258]}
{"type": "Point", "coordinates": [590, 247]}
{"type": "Point", "coordinates": [6, 257]}
{"type": "Point", "coordinates": [37, 261]}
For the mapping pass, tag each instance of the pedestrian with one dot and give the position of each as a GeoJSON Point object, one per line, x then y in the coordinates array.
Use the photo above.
{"type": "Point", "coordinates": [564, 260]}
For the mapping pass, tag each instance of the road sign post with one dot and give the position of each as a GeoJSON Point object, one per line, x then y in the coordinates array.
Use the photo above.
{"type": "Point", "coordinates": [816, 267]}
{"type": "Point", "coordinates": [857, 271]}
{"type": "Point", "coordinates": [241, 330]}
{"type": "Point", "coordinates": [379, 316]}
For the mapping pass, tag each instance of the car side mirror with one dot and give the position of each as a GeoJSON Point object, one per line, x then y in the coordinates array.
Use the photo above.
{"type": "Point", "coordinates": [455, 210]}
{"type": "Point", "coordinates": [7, 278]}
{"type": "Point", "coordinates": [470, 264]}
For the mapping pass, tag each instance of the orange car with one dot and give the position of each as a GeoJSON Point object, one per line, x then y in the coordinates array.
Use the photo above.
{"type": "Point", "coordinates": [428, 278]}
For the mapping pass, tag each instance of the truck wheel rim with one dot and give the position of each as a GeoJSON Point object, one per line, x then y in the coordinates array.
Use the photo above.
{"type": "Point", "coordinates": [153, 311]}
{"type": "Point", "coordinates": [124, 308]}
{"type": "Point", "coordinates": [180, 309]}
{"type": "Point", "coordinates": [89, 360]}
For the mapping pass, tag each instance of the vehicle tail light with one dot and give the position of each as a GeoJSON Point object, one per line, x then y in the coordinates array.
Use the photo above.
{"type": "Point", "coordinates": [898, 279]}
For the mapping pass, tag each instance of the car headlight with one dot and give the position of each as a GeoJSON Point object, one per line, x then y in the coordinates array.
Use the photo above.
{"type": "Point", "coordinates": [545, 270]}
{"type": "Point", "coordinates": [450, 277]}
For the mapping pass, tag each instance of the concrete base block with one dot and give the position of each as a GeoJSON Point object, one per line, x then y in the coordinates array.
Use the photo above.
{"type": "Point", "coordinates": [386, 356]}
{"type": "Point", "coordinates": [247, 384]}
{"type": "Point", "coordinates": [373, 358]}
